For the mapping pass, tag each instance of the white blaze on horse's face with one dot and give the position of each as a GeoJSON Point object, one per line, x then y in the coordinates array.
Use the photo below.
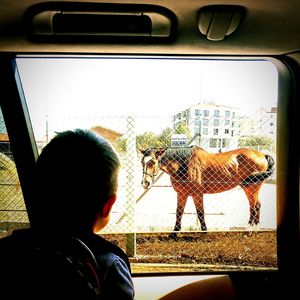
{"type": "Point", "coordinates": [150, 169]}
{"type": "Point", "coordinates": [146, 159]}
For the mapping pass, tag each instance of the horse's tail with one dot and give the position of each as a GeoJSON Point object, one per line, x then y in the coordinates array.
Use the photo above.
{"type": "Point", "coordinates": [258, 177]}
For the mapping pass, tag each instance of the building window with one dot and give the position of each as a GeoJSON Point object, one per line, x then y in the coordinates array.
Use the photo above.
{"type": "Point", "coordinates": [197, 122]}
{"type": "Point", "coordinates": [226, 131]}
{"type": "Point", "coordinates": [225, 143]}
{"type": "Point", "coordinates": [227, 122]}
{"type": "Point", "coordinates": [216, 122]}
{"type": "Point", "coordinates": [205, 131]}
{"type": "Point", "coordinates": [216, 113]}
{"type": "Point", "coordinates": [212, 143]}
{"type": "Point", "coordinates": [227, 113]}
{"type": "Point", "coordinates": [205, 122]}
{"type": "Point", "coordinates": [215, 143]}
{"type": "Point", "coordinates": [216, 131]}
{"type": "Point", "coordinates": [206, 113]}
{"type": "Point", "coordinates": [197, 112]}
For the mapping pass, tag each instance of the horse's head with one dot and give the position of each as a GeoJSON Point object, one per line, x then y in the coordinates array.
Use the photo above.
{"type": "Point", "coordinates": [150, 164]}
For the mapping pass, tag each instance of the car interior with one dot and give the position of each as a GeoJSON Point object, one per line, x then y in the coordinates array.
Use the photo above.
{"type": "Point", "coordinates": [205, 77]}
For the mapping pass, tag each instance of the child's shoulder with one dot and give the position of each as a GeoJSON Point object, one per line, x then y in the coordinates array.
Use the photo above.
{"type": "Point", "coordinates": [101, 246]}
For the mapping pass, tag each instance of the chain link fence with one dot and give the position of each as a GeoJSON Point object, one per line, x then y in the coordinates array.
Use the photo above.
{"type": "Point", "coordinates": [154, 209]}
{"type": "Point", "coordinates": [13, 212]}
{"type": "Point", "coordinates": [142, 219]}
{"type": "Point", "coordinates": [229, 242]}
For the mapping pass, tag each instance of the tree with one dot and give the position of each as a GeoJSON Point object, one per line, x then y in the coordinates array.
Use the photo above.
{"type": "Point", "coordinates": [182, 127]}
{"type": "Point", "coordinates": [148, 139]}
{"type": "Point", "coordinates": [162, 140]}
{"type": "Point", "coordinates": [165, 137]}
{"type": "Point", "coordinates": [121, 145]}
{"type": "Point", "coordinates": [257, 142]}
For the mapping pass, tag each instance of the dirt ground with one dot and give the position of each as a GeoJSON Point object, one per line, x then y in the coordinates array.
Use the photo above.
{"type": "Point", "coordinates": [199, 251]}
{"type": "Point", "coordinates": [202, 251]}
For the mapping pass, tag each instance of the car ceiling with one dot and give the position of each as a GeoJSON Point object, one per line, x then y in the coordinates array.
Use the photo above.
{"type": "Point", "coordinates": [269, 27]}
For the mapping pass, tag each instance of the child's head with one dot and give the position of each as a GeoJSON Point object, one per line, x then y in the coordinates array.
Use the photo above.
{"type": "Point", "coordinates": [76, 181]}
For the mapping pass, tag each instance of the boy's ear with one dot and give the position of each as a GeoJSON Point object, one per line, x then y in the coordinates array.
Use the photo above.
{"type": "Point", "coordinates": [108, 205]}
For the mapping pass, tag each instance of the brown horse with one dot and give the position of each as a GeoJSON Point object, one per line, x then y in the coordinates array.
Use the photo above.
{"type": "Point", "coordinates": [194, 172]}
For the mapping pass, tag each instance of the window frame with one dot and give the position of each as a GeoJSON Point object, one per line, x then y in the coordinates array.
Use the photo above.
{"type": "Point", "coordinates": [25, 151]}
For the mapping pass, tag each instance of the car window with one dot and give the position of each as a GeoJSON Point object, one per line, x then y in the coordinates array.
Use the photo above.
{"type": "Point", "coordinates": [182, 106]}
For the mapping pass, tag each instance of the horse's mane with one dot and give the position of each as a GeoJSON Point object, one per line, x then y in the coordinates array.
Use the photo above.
{"type": "Point", "coordinates": [179, 153]}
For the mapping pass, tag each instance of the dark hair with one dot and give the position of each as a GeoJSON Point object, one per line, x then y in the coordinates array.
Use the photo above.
{"type": "Point", "coordinates": [180, 154]}
{"type": "Point", "coordinates": [75, 174]}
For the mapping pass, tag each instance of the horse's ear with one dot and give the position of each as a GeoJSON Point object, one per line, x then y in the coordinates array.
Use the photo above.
{"type": "Point", "coordinates": [160, 152]}
{"type": "Point", "coordinates": [141, 150]}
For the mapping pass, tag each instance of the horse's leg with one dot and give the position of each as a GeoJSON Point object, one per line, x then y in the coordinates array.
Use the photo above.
{"type": "Point", "coordinates": [252, 192]}
{"type": "Point", "coordinates": [198, 201]}
{"type": "Point", "coordinates": [181, 202]}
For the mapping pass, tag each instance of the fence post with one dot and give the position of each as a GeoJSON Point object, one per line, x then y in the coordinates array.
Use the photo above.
{"type": "Point", "coordinates": [130, 166]}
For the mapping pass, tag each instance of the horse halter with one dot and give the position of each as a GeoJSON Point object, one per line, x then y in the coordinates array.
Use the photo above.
{"type": "Point", "coordinates": [145, 172]}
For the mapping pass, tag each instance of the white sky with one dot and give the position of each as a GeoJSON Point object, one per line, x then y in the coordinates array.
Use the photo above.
{"type": "Point", "coordinates": [78, 91]}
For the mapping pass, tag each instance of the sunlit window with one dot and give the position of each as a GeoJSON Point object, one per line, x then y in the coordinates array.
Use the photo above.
{"type": "Point", "coordinates": [163, 103]}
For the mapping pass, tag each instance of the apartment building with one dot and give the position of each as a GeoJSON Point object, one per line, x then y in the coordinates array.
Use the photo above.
{"type": "Point", "coordinates": [212, 126]}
